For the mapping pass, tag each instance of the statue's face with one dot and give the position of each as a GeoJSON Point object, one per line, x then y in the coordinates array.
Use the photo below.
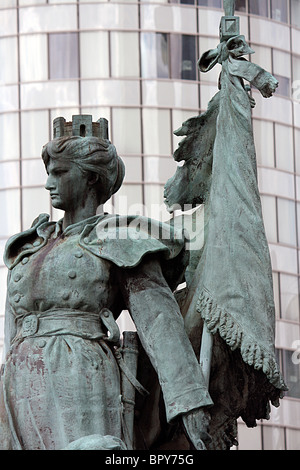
{"type": "Point", "coordinates": [66, 183]}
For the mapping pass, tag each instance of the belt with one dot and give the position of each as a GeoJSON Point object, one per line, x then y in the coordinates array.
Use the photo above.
{"type": "Point", "coordinates": [68, 322]}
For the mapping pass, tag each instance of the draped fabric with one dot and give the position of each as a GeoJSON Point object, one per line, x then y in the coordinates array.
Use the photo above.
{"type": "Point", "coordinates": [231, 290]}
{"type": "Point", "coordinates": [235, 291]}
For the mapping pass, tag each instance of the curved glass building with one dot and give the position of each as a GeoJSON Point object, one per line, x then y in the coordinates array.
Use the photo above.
{"type": "Point", "coordinates": [134, 63]}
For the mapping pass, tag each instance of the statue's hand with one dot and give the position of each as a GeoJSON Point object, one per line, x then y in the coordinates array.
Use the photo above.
{"type": "Point", "coordinates": [196, 423]}
{"type": "Point", "coordinates": [269, 86]}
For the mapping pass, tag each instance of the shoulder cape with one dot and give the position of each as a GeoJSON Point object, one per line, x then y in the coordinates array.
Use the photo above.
{"type": "Point", "coordinates": [123, 240]}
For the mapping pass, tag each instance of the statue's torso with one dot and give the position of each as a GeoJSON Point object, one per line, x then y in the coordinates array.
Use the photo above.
{"type": "Point", "coordinates": [62, 274]}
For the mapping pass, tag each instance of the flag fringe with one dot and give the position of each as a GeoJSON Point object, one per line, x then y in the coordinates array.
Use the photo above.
{"type": "Point", "coordinates": [253, 354]}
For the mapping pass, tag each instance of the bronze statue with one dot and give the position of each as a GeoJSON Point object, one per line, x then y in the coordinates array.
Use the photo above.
{"type": "Point", "coordinates": [66, 288]}
{"type": "Point", "coordinates": [202, 356]}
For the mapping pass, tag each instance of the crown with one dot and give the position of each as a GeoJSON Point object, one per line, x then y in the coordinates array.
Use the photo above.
{"type": "Point", "coordinates": [81, 125]}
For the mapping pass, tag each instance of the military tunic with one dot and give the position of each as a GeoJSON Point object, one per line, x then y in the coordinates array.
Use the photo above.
{"type": "Point", "coordinates": [61, 379]}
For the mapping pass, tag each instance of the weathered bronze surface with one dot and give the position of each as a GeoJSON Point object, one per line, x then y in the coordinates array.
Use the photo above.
{"type": "Point", "coordinates": [70, 381]}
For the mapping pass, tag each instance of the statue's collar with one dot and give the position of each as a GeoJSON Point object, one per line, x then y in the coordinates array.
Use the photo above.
{"type": "Point", "coordinates": [73, 229]}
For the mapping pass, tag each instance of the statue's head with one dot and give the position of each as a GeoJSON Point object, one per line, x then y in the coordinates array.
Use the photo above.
{"type": "Point", "coordinates": [86, 157]}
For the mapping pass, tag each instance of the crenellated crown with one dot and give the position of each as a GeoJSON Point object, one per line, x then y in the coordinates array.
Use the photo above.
{"type": "Point", "coordinates": [81, 125]}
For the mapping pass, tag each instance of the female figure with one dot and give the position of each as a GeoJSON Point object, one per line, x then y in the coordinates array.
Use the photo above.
{"type": "Point", "coordinates": [68, 282]}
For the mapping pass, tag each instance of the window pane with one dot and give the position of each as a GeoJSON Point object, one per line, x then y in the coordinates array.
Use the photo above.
{"type": "Point", "coordinates": [9, 174]}
{"type": "Point", "coordinates": [262, 56]}
{"type": "Point", "coordinates": [296, 74]}
{"type": "Point", "coordinates": [33, 172]}
{"type": "Point", "coordinates": [275, 277]}
{"type": "Point", "coordinates": [35, 132]}
{"type": "Point", "coordinates": [258, 7]}
{"type": "Point", "coordinates": [156, 125]}
{"type": "Point", "coordinates": [8, 22]}
{"type": "Point", "coordinates": [162, 55]}
{"type": "Point", "coordinates": [269, 216]}
{"type": "Point", "coordinates": [35, 201]}
{"type": "Point", "coordinates": [155, 207]}
{"type": "Point", "coordinates": [155, 55]}
{"type": "Point", "coordinates": [122, 63]}
{"type": "Point", "coordinates": [63, 55]}
{"type": "Point", "coordinates": [279, 10]}
{"type": "Point", "coordinates": [158, 169]}
{"type": "Point", "coordinates": [284, 85]}
{"type": "Point", "coordinates": [33, 57]}
{"type": "Point", "coordinates": [273, 438]}
{"type": "Point", "coordinates": [57, 18]}
{"type": "Point", "coordinates": [133, 169]}
{"type": "Point", "coordinates": [9, 147]}
{"type": "Point", "coordinates": [249, 438]}
{"type": "Point", "coordinates": [289, 296]}
{"type": "Point", "coordinates": [8, 3]}
{"type": "Point", "coordinates": [292, 439]}
{"type": "Point", "coordinates": [94, 60]}
{"type": "Point", "coordinates": [10, 212]}
{"type": "Point", "coordinates": [126, 124]}
{"type": "Point", "coordinates": [295, 13]}
{"type": "Point", "coordinates": [129, 199]}
{"type": "Point", "coordinates": [9, 57]}
{"type": "Point", "coordinates": [183, 56]}
{"type": "Point", "coordinates": [240, 5]}
{"type": "Point", "coordinates": [298, 222]}
{"type": "Point", "coordinates": [284, 147]}
{"type": "Point", "coordinates": [286, 221]}
{"type": "Point", "coordinates": [281, 63]}
{"type": "Point", "coordinates": [210, 3]}
{"type": "Point", "coordinates": [50, 94]}
{"type": "Point", "coordinates": [291, 371]}
{"type": "Point", "coordinates": [264, 142]}
{"type": "Point", "coordinates": [31, 2]}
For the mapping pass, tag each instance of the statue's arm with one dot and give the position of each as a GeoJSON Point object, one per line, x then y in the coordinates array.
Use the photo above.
{"type": "Point", "coordinates": [160, 327]}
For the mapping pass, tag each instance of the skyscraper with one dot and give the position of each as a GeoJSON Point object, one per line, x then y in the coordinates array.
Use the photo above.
{"type": "Point", "coordinates": [134, 63]}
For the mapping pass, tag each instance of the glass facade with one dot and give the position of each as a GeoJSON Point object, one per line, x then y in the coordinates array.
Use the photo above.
{"type": "Point", "coordinates": [135, 64]}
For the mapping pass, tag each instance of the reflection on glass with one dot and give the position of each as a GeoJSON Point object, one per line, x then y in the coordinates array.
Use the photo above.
{"type": "Point", "coordinates": [10, 204]}
{"type": "Point", "coordinates": [295, 13]}
{"type": "Point", "coordinates": [155, 55]}
{"type": "Point", "coordinates": [286, 221]}
{"type": "Point", "coordinates": [284, 147]}
{"type": "Point", "coordinates": [9, 57]}
{"type": "Point", "coordinates": [284, 85]}
{"type": "Point", "coordinates": [292, 439]}
{"type": "Point", "coordinates": [240, 5]}
{"type": "Point", "coordinates": [291, 370]}
{"type": "Point", "coordinates": [289, 297]}
{"type": "Point", "coordinates": [279, 10]}
{"type": "Point", "coordinates": [9, 147]}
{"type": "Point", "coordinates": [273, 438]}
{"type": "Point", "coordinates": [168, 56]}
{"type": "Point", "coordinates": [269, 216]}
{"type": "Point", "coordinates": [34, 201]}
{"type": "Point", "coordinates": [210, 3]}
{"type": "Point", "coordinates": [258, 7]}
{"type": "Point", "coordinates": [122, 63]}
{"type": "Point", "coordinates": [63, 55]}
{"type": "Point", "coordinates": [183, 57]}
{"type": "Point", "coordinates": [94, 61]}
